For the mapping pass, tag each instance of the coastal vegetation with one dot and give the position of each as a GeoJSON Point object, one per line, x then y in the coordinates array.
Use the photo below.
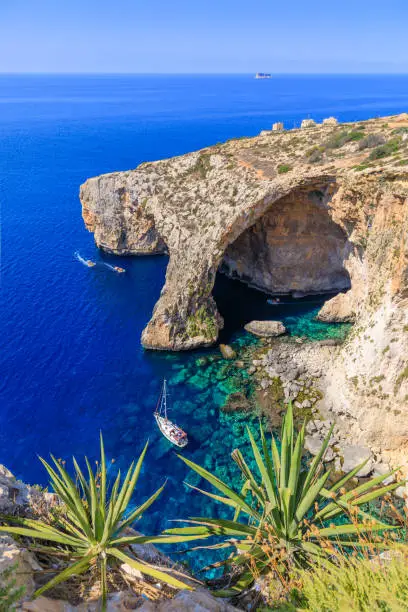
{"type": "Point", "coordinates": [336, 141]}
{"type": "Point", "coordinates": [386, 149]}
{"type": "Point", "coordinates": [283, 516]}
{"type": "Point", "coordinates": [89, 527]}
{"type": "Point", "coordinates": [283, 168]}
{"type": "Point", "coordinates": [201, 323]}
{"type": "Point", "coordinates": [354, 583]}
{"type": "Point", "coordinates": [307, 537]}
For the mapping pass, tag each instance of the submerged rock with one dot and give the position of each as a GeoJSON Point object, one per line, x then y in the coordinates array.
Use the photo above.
{"type": "Point", "coordinates": [266, 329]}
{"type": "Point", "coordinates": [227, 351]}
{"type": "Point", "coordinates": [201, 362]}
{"type": "Point", "coordinates": [236, 402]}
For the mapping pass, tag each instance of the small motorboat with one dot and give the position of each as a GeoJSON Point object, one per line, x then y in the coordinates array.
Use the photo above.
{"type": "Point", "coordinates": [170, 430]}
{"type": "Point", "coordinates": [118, 269]}
{"type": "Point", "coordinates": [273, 301]}
{"type": "Point", "coordinates": [90, 263]}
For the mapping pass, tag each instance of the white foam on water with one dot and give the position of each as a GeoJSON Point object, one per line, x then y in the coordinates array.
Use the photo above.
{"type": "Point", "coordinates": [85, 262]}
{"type": "Point", "coordinates": [103, 263]}
{"type": "Point", "coordinates": [81, 259]}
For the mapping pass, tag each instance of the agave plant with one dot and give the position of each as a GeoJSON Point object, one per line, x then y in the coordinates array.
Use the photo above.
{"type": "Point", "coordinates": [90, 528]}
{"type": "Point", "coordinates": [283, 514]}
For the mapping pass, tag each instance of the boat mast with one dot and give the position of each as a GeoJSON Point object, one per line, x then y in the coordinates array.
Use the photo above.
{"type": "Point", "coordinates": [164, 399]}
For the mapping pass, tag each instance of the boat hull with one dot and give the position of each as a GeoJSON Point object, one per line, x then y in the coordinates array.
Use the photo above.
{"type": "Point", "coordinates": [169, 429]}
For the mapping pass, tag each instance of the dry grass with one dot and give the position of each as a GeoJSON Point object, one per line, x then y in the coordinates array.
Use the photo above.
{"type": "Point", "coordinates": [371, 576]}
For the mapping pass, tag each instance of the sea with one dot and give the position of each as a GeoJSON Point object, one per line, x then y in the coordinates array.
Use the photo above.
{"type": "Point", "coordinates": [71, 362]}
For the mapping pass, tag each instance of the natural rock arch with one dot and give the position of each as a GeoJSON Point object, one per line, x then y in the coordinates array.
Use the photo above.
{"type": "Point", "coordinates": [190, 318]}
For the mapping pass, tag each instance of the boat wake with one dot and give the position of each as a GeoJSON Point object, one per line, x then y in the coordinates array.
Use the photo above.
{"type": "Point", "coordinates": [86, 262]}
{"type": "Point", "coordinates": [113, 268]}
{"type": "Point", "coordinates": [103, 263]}
{"type": "Point", "coordinates": [90, 264]}
{"type": "Point", "coordinates": [116, 269]}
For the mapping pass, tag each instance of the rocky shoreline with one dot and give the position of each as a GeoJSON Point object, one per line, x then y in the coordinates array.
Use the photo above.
{"type": "Point", "coordinates": [269, 373]}
{"type": "Point", "coordinates": [295, 370]}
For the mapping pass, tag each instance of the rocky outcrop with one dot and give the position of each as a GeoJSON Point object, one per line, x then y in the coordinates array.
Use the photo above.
{"type": "Point", "coordinates": [266, 329]}
{"type": "Point", "coordinates": [353, 456]}
{"type": "Point", "coordinates": [21, 562]}
{"type": "Point", "coordinates": [15, 495]}
{"type": "Point", "coordinates": [114, 212]}
{"type": "Point", "coordinates": [197, 601]}
{"type": "Point", "coordinates": [338, 310]}
{"type": "Point", "coordinates": [298, 212]}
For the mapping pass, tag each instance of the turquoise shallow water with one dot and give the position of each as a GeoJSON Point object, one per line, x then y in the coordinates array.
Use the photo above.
{"type": "Point", "coordinates": [306, 325]}
{"type": "Point", "coordinates": [71, 363]}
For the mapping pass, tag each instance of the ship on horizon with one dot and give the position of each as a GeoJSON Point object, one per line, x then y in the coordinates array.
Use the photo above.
{"type": "Point", "coordinates": [263, 75]}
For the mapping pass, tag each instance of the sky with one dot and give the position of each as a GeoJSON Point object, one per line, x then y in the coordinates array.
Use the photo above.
{"type": "Point", "coordinates": [209, 36]}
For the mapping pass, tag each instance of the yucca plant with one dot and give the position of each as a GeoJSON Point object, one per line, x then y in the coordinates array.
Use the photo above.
{"type": "Point", "coordinates": [89, 528]}
{"type": "Point", "coordinates": [283, 515]}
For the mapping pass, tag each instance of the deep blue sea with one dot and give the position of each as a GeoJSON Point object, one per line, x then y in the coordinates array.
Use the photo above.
{"type": "Point", "coordinates": [71, 359]}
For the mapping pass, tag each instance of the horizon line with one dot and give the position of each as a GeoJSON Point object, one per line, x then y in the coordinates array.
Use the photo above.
{"type": "Point", "coordinates": [273, 74]}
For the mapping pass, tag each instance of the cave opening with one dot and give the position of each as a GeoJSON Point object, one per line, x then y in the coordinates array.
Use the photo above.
{"type": "Point", "coordinates": [294, 251]}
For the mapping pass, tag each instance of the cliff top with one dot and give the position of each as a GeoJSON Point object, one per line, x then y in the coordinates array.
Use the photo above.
{"type": "Point", "coordinates": [364, 145]}
{"type": "Point", "coordinates": [367, 147]}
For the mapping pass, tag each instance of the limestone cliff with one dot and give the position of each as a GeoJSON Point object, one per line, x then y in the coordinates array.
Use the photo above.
{"type": "Point", "coordinates": [311, 210]}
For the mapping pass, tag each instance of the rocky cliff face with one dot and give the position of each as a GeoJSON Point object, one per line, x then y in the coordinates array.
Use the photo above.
{"type": "Point", "coordinates": [295, 247]}
{"type": "Point", "coordinates": [311, 210]}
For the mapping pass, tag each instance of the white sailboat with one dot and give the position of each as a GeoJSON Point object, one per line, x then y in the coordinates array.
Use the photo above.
{"type": "Point", "coordinates": [170, 430]}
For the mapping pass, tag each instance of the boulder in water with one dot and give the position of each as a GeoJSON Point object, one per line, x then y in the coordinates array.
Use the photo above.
{"type": "Point", "coordinates": [265, 329]}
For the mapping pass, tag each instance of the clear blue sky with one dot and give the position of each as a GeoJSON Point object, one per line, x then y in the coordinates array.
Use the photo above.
{"type": "Point", "coordinates": [203, 36]}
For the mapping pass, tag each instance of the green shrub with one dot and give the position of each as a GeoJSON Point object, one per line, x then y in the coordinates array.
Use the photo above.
{"type": "Point", "coordinates": [400, 130]}
{"type": "Point", "coordinates": [354, 136]}
{"type": "Point", "coordinates": [341, 138]}
{"type": "Point", "coordinates": [282, 517]}
{"type": "Point", "coordinates": [402, 376]}
{"type": "Point", "coordinates": [90, 529]}
{"type": "Point", "coordinates": [283, 168]}
{"type": "Point", "coordinates": [315, 154]}
{"type": "Point", "coordinates": [386, 149]}
{"type": "Point", "coordinates": [356, 585]}
{"type": "Point", "coordinates": [371, 141]}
